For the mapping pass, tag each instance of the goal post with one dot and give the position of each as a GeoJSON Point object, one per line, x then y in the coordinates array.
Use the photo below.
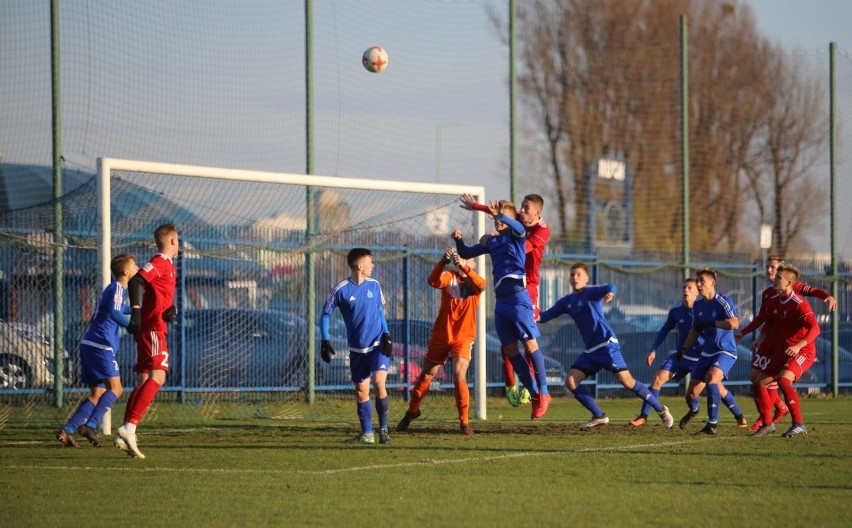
{"type": "Point", "coordinates": [256, 224]}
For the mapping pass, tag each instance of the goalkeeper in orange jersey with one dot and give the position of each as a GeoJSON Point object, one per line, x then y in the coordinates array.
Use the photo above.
{"type": "Point", "coordinates": [452, 334]}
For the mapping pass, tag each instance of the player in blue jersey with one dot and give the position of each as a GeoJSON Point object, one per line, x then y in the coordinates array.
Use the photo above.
{"type": "Point", "coordinates": [681, 316]}
{"type": "Point", "coordinates": [585, 306]}
{"type": "Point", "coordinates": [98, 349]}
{"type": "Point", "coordinates": [715, 322]}
{"type": "Point", "coordinates": [513, 310]}
{"type": "Point", "coordinates": [361, 303]}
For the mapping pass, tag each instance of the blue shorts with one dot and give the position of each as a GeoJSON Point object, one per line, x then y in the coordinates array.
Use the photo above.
{"type": "Point", "coordinates": [513, 318]}
{"type": "Point", "coordinates": [722, 361]}
{"type": "Point", "coordinates": [97, 365]}
{"type": "Point", "coordinates": [362, 366]}
{"type": "Point", "coordinates": [680, 367]}
{"type": "Point", "coordinates": [607, 357]}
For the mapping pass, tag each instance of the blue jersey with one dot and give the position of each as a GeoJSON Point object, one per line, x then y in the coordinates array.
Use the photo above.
{"type": "Point", "coordinates": [103, 330]}
{"type": "Point", "coordinates": [362, 307]}
{"type": "Point", "coordinates": [682, 317]}
{"type": "Point", "coordinates": [586, 309]}
{"type": "Point", "coordinates": [507, 250]}
{"type": "Point", "coordinates": [716, 340]}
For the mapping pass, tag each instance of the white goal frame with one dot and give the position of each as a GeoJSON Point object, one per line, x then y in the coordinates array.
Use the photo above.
{"type": "Point", "coordinates": [107, 165]}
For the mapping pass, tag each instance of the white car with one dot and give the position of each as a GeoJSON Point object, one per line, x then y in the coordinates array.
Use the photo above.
{"type": "Point", "coordinates": [26, 357]}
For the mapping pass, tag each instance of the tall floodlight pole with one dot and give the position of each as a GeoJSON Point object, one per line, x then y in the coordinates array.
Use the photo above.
{"type": "Point", "coordinates": [311, 204]}
{"type": "Point", "coordinates": [513, 145]}
{"type": "Point", "coordinates": [58, 234]}
{"type": "Point", "coordinates": [832, 163]}
{"type": "Point", "coordinates": [684, 140]}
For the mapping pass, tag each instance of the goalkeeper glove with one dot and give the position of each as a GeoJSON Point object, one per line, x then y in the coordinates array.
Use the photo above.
{"type": "Point", "coordinates": [132, 328]}
{"type": "Point", "coordinates": [135, 319]}
{"type": "Point", "coordinates": [326, 350]}
{"type": "Point", "coordinates": [703, 325]}
{"type": "Point", "coordinates": [387, 345]}
{"type": "Point", "coordinates": [170, 314]}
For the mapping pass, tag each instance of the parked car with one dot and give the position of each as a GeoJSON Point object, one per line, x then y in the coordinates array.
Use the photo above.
{"type": "Point", "coordinates": [27, 357]}
{"type": "Point", "coordinates": [229, 348]}
{"type": "Point", "coordinates": [421, 330]}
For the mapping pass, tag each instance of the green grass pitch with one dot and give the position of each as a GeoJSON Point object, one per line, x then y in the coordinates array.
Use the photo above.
{"type": "Point", "coordinates": [514, 472]}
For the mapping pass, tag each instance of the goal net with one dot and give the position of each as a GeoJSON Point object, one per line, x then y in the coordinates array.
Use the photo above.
{"type": "Point", "coordinates": [259, 253]}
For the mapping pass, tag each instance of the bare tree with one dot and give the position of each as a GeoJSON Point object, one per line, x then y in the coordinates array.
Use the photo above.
{"type": "Point", "coordinates": [600, 78]}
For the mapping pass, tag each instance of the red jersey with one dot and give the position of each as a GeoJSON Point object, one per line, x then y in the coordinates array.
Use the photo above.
{"type": "Point", "coordinates": [159, 294]}
{"type": "Point", "coordinates": [537, 236]}
{"type": "Point", "coordinates": [799, 288]}
{"type": "Point", "coordinates": [788, 320]}
{"type": "Point", "coordinates": [456, 319]}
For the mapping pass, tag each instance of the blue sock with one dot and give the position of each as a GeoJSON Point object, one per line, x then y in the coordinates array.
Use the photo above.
{"type": "Point", "coordinates": [84, 410]}
{"type": "Point", "coordinates": [639, 389]}
{"type": "Point", "coordinates": [382, 408]}
{"type": "Point", "coordinates": [106, 401]}
{"type": "Point", "coordinates": [731, 403]}
{"type": "Point", "coordinates": [540, 370]}
{"type": "Point", "coordinates": [522, 369]}
{"type": "Point", "coordinates": [646, 407]}
{"type": "Point", "coordinates": [713, 402]}
{"type": "Point", "coordinates": [365, 416]}
{"type": "Point", "coordinates": [586, 399]}
{"type": "Point", "coordinates": [693, 403]}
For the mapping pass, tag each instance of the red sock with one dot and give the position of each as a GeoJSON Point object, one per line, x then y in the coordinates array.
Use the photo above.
{"type": "Point", "coordinates": [462, 394]}
{"type": "Point", "coordinates": [131, 400]}
{"type": "Point", "coordinates": [792, 398]}
{"type": "Point", "coordinates": [777, 402]}
{"type": "Point", "coordinates": [419, 391]}
{"type": "Point", "coordinates": [143, 401]}
{"type": "Point", "coordinates": [764, 403]}
{"type": "Point", "coordinates": [508, 370]}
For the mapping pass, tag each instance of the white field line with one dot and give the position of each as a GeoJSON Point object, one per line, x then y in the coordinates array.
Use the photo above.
{"type": "Point", "coordinates": [465, 460]}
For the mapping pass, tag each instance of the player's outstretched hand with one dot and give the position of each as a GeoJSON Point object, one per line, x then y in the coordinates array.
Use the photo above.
{"type": "Point", "coordinates": [170, 314]}
{"type": "Point", "coordinates": [448, 255]}
{"type": "Point", "coordinates": [457, 235]}
{"type": "Point", "coordinates": [132, 328]}
{"type": "Point", "coordinates": [387, 345]}
{"type": "Point", "coordinates": [326, 350]}
{"type": "Point", "coordinates": [468, 202]}
{"type": "Point", "coordinates": [832, 304]}
{"type": "Point", "coordinates": [650, 358]}
{"type": "Point", "coordinates": [458, 260]}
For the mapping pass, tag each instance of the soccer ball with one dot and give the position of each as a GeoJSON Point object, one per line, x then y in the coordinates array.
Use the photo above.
{"type": "Point", "coordinates": [375, 59]}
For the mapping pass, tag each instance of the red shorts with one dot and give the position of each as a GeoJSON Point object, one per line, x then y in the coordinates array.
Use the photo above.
{"type": "Point", "coordinates": [775, 363]}
{"type": "Point", "coordinates": [438, 352]}
{"type": "Point", "coordinates": [799, 364]}
{"type": "Point", "coordinates": [152, 351]}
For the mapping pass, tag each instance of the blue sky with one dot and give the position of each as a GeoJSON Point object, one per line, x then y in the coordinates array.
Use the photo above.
{"type": "Point", "coordinates": [805, 24]}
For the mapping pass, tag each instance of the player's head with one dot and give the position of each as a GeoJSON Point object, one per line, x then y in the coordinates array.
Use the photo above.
{"type": "Point", "coordinates": [772, 263]}
{"type": "Point", "coordinates": [785, 276]}
{"type": "Point", "coordinates": [531, 207]}
{"type": "Point", "coordinates": [360, 260]}
{"type": "Point", "coordinates": [507, 208]}
{"type": "Point", "coordinates": [123, 265]}
{"type": "Point", "coordinates": [166, 237]}
{"type": "Point", "coordinates": [706, 282]}
{"type": "Point", "coordinates": [690, 290]}
{"type": "Point", "coordinates": [579, 276]}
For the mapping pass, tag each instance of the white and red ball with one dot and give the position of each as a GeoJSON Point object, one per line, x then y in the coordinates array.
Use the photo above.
{"type": "Point", "coordinates": [375, 59]}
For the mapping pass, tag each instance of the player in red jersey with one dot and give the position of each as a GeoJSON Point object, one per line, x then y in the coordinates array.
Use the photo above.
{"type": "Point", "coordinates": [801, 289]}
{"type": "Point", "coordinates": [151, 292]}
{"type": "Point", "coordinates": [787, 350]}
{"type": "Point", "coordinates": [538, 233]}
